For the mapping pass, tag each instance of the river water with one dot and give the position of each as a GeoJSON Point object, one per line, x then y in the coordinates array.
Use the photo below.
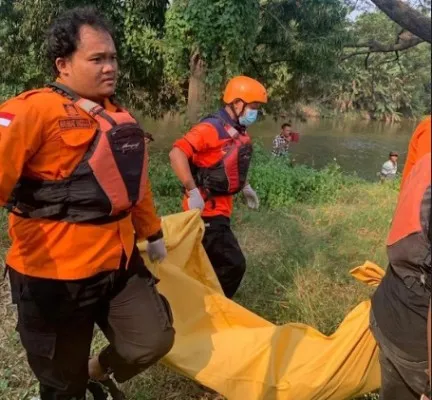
{"type": "Point", "coordinates": [359, 147]}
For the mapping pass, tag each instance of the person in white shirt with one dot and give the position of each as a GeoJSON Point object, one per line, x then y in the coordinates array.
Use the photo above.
{"type": "Point", "coordinates": [390, 167]}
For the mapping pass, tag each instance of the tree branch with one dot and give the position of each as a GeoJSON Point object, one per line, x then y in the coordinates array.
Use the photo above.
{"type": "Point", "coordinates": [398, 61]}
{"type": "Point", "coordinates": [367, 60]}
{"type": "Point", "coordinates": [407, 17]}
{"type": "Point", "coordinates": [372, 46]}
{"type": "Point", "coordinates": [392, 61]}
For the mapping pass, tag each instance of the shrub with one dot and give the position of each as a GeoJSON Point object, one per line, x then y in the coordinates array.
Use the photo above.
{"type": "Point", "coordinates": [276, 181]}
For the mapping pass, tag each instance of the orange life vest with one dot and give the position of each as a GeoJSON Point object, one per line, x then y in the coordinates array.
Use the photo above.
{"type": "Point", "coordinates": [105, 185]}
{"type": "Point", "coordinates": [409, 243]}
{"type": "Point", "coordinates": [228, 175]}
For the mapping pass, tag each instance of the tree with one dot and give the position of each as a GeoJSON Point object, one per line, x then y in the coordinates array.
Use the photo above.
{"type": "Point", "coordinates": [298, 48]}
{"type": "Point", "coordinates": [407, 17]}
{"type": "Point", "coordinates": [138, 26]}
{"type": "Point", "coordinates": [383, 85]}
{"type": "Point", "coordinates": [178, 55]}
{"type": "Point", "coordinates": [415, 25]}
{"type": "Point", "coordinates": [206, 43]}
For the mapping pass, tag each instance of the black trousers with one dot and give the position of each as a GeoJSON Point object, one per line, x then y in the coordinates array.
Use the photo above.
{"type": "Point", "coordinates": [402, 376]}
{"type": "Point", "coordinates": [56, 321]}
{"type": "Point", "coordinates": [225, 254]}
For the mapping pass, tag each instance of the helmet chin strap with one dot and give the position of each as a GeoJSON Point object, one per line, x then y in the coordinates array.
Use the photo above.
{"type": "Point", "coordinates": [234, 111]}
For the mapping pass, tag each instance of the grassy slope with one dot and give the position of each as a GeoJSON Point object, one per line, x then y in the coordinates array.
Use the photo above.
{"type": "Point", "coordinates": [299, 256]}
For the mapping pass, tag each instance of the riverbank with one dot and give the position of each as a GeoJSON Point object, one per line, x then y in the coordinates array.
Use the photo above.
{"type": "Point", "coordinates": [317, 110]}
{"type": "Point", "coordinates": [313, 227]}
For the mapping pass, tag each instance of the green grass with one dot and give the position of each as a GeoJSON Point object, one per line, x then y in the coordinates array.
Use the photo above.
{"type": "Point", "coordinates": [314, 227]}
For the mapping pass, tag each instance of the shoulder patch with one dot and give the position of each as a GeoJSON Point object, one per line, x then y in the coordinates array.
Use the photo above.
{"type": "Point", "coordinates": [71, 110]}
{"type": "Point", "coordinates": [74, 123]}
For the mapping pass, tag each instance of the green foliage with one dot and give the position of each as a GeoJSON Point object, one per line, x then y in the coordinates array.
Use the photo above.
{"type": "Point", "coordinates": [138, 29]}
{"type": "Point", "coordinates": [221, 33]}
{"type": "Point", "coordinates": [18, 51]}
{"type": "Point", "coordinates": [382, 92]}
{"type": "Point", "coordinates": [386, 86]}
{"type": "Point", "coordinates": [277, 183]}
{"type": "Point", "coordinates": [296, 48]}
{"type": "Point", "coordinates": [166, 187]}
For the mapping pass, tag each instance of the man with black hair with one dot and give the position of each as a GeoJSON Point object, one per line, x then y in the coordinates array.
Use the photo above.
{"type": "Point", "coordinates": [73, 174]}
{"type": "Point", "coordinates": [282, 142]}
{"type": "Point", "coordinates": [390, 167]}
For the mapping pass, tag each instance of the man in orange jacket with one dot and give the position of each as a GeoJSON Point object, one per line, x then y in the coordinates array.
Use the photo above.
{"type": "Point", "coordinates": [212, 162]}
{"type": "Point", "coordinates": [73, 173]}
{"type": "Point", "coordinates": [401, 304]}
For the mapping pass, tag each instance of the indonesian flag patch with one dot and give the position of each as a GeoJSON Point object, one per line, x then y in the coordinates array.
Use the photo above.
{"type": "Point", "coordinates": [6, 119]}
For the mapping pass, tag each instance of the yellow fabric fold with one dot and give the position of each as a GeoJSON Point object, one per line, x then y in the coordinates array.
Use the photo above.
{"type": "Point", "coordinates": [242, 356]}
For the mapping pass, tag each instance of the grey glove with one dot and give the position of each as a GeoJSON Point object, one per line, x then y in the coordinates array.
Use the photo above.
{"type": "Point", "coordinates": [195, 199]}
{"type": "Point", "coordinates": [157, 250]}
{"type": "Point", "coordinates": [252, 199]}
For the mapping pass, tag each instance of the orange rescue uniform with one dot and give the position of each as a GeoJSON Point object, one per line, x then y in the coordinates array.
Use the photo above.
{"type": "Point", "coordinates": [420, 145]}
{"type": "Point", "coordinates": [44, 136]}
{"type": "Point", "coordinates": [204, 148]}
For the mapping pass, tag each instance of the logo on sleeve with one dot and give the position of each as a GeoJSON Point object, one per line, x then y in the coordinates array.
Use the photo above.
{"type": "Point", "coordinates": [6, 119]}
{"type": "Point", "coordinates": [74, 123]}
{"type": "Point", "coordinates": [71, 111]}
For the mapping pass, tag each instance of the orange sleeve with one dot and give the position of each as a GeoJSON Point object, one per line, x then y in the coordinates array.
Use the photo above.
{"type": "Point", "coordinates": [420, 145]}
{"type": "Point", "coordinates": [21, 129]}
{"type": "Point", "coordinates": [144, 217]}
{"type": "Point", "coordinates": [200, 138]}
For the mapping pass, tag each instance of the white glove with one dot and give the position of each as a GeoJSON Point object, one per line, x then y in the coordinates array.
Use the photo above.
{"type": "Point", "coordinates": [157, 250]}
{"type": "Point", "coordinates": [195, 199]}
{"type": "Point", "coordinates": [252, 199]}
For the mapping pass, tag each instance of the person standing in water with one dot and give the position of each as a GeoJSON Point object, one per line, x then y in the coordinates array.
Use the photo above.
{"type": "Point", "coordinates": [390, 167]}
{"type": "Point", "coordinates": [283, 141]}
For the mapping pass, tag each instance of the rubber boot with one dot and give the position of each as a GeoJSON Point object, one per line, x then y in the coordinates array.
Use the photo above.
{"type": "Point", "coordinates": [105, 390]}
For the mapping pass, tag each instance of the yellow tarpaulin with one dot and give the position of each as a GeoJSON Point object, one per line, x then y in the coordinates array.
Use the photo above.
{"type": "Point", "coordinates": [229, 349]}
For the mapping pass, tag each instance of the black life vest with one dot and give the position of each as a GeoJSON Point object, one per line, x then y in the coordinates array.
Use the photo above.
{"type": "Point", "coordinates": [108, 181]}
{"type": "Point", "coordinates": [227, 176]}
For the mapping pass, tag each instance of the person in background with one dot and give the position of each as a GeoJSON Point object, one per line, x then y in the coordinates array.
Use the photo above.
{"type": "Point", "coordinates": [282, 142]}
{"type": "Point", "coordinates": [73, 175]}
{"type": "Point", "coordinates": [390, 167]}
{"type": "Point", "coordinates": [212, 162]}
{"type": "Point", "coordinates": [401, 304]}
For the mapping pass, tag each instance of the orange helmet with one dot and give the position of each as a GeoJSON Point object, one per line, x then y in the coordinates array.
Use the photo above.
{"type": "Point", "coordinates": [244, 88]}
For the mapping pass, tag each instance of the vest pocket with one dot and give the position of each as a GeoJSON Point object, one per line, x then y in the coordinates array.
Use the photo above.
{"type": "Point", "coordinates": [77, 138]}
{"type": "Point", "coordinates": [73, 146]}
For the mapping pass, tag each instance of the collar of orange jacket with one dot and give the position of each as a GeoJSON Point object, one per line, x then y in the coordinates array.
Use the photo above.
{"type": "Point", "coordinates": [107, 103]}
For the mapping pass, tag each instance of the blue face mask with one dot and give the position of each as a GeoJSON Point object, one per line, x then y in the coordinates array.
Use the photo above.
{"type": "Point", "coordinates": [249, 118]}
